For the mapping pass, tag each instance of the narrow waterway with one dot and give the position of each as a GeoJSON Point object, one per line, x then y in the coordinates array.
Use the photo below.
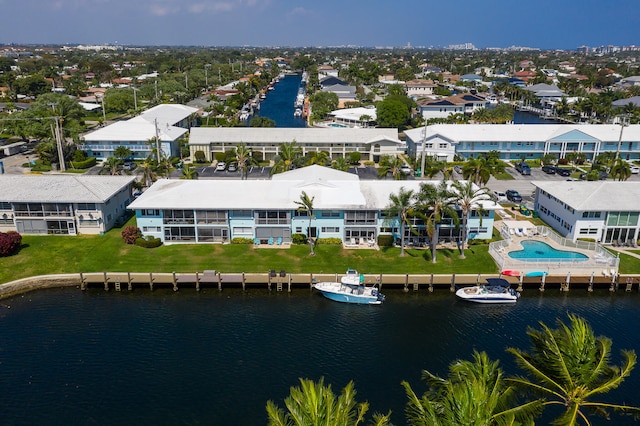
{"type": "Point", "coordinates": [279, 103]}
{"type": "Point", "coordinates": [142, 357]}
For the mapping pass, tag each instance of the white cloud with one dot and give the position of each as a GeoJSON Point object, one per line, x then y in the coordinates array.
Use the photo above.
{"type": "Point", "coordinates": [227, 5]}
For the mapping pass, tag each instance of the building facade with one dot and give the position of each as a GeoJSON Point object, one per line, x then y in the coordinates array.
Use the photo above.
{"type": "Point", "coordinates": [372, 144]}
{"type": "Point", "coordinates": [531, 141]}
{"type": "Point", "coordinates": [344, 207]}
{"type": "Point", "coordinates": [63, 204]}
{"type": "Point", "coordinates": [605, 211]}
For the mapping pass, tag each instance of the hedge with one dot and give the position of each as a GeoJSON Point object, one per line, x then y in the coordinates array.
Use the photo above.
{"type": "Point", "coordinates": [385, 240]}
{"type": "Point", "coordinates": [329, 241]}
{"type": "Point", "coordinates": [149, 242]}
{"type": "Point", "coordinates": [298, 239]}
{"type": "Point", "coordinates": [241, 240]}
{"type": "Point", "coordinates": [84, 164]}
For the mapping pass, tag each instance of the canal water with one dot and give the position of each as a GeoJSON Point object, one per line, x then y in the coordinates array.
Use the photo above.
{"type": "Point", "coordinates": [215, 358]}
{"type": "Point", "coordinates": [279, 103]}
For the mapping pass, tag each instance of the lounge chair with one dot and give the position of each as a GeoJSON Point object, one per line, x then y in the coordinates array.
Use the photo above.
{"type": "Point", "coordinates": [606, 273]}
{"type": "Point", "coordinates": [279, 241]}
{"type": "Point", "coordinates": [353, 242]}
{"type": "Point", "coordinates": [270, 241]}
{"type": "Point", "coordinates": [525, 232]}
{"type": "Point", "coordinates": [519, 232]}
{"type": "Point", "coordinates": [512, 231]}
{"type": "Point", "coordinates": [256, 241]}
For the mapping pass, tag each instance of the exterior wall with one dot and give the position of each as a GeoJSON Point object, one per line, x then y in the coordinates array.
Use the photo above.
{"type": "Point", "coordinates": [441, 111]}
{"type": "Point", "coordinates": [140, 149]}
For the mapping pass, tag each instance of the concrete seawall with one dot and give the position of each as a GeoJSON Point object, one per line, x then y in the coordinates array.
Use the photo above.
{"type": "Point", "coordinates": [283, 281]}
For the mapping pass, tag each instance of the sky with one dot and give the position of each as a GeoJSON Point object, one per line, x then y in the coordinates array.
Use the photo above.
{"type": "Point", "coordinates": [545, 24]}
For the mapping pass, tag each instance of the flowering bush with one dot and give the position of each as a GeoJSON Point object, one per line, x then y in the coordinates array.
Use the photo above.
{"type": "Point", "coordinates": [130, 233]}
{"type": "Point", "coordinates": [10, 242]}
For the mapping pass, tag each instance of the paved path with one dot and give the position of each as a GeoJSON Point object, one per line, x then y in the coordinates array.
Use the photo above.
{"type": "Point", "coordinates": [623, 250]}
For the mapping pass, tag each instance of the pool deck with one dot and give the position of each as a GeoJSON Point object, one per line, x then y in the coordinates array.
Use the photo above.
{"type": "Point", "coordinates": [600, 262]}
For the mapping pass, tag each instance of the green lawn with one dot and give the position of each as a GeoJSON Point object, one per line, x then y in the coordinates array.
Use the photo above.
{"type": "Point", "coordinates": [64, 254]}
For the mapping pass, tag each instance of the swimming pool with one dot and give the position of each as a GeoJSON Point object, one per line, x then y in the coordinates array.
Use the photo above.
{"type": "Point", "coordinates": [535, 251]}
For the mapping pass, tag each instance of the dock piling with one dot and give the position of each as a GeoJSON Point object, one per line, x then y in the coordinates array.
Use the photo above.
{"type": "Point", "coordinates": [129, 284]}
{"type": "Point", "coordinates": [106, 281]}
{"type": "Point", "coordinates": [452, 287]}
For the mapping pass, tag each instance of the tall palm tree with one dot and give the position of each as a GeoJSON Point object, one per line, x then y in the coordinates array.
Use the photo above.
{"type": "Point", "coordinates": [391, 164]}
{"type": "Point", "coordinates": [620, 170]}
{"type": "Point", "coordinates": [469, 197]}
{"type": "Point", "coordinates": [111, 166]}
{"type": "Point", "coordinates": [315, 404]}
{"type": "Point", "coordinates": [568, 366]}
{"type": "Point", "coordinates": [306, 205]}
{"type": "Point", "coordinates": [401, 205]}
{"type": "Point", "coordinates": [244, 158]}
{"type": "Point", "coordinates": [474, 393]}
{"type": "Point", "coordinates": [433, 204]}
{"type": "Point", "coordinates": [148, 169]}
{"type": "Point", "coordinates": [320, 158]}
{"type": "Point", "coordinates": [288, 153]}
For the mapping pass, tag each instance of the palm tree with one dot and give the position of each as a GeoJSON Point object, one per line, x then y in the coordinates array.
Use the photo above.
{"type": "Point", "coordinates": [341, 164]}
{"type": "Point", "coordinates": [469, 197]}
{"type": "Point", "coordinates": [475, 393]}
{"type": "Point", "coordinates": [111, 166]}
{"type": "Point", "coordinates": [621, 170]}
{"type": "Point", "coordinates": [306, 205]}
{"type": "Point", "coordinates": [189, 172]}
{"type": "Point", "coordinates": [478, 170]}
{"type": "Point", "coordinates": [148, 167]}
{"type": "Point", "coordinates": [288, 153]}
{"type": "Point", "coordinates": [244, 158]}
{"type": "Point", "coordinates": [433, 204]}
{"type": "Point", "coordinates": [391, 164]}
{"type": "Point", "coordinates": [122, 152]}
{"type": "Point", "coordinates": [315, 404]}
{"type": "Point", "coordinates": [401, 206]}
{"type": "Point", "coordinates": [568, 366]}
{"type": "Point", "coordinates": [319, 157]}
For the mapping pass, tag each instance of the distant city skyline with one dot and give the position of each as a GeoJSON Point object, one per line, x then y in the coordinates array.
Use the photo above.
{"type": "Point", "coordinates": [544, 24]}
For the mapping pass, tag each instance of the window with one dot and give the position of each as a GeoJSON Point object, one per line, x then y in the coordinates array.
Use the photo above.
{"type": "Point", "coordinates": [242, 230]}
{"type": "Point", "coordinates": [149, 212]}
{"type": "Point", "coordinates": [178, 216]}
{"type": "Point", "coordinates": [87, 206]}
{"type": "Point", "coordinates": [330, 213]}
{"type": "Point", "coordinates": [442, 145]}
{"type": "Point", "coordinates": [361, 217]}
{"type": "Point", "coordinates": [151, 229]}
{"type": "Point", "coordinates": [588, 231]}
{"type": "Point", "coordinates": [591, 214]}
{"type": "Point", "coordinates": [241, 213]}
{"type": "Point", "coordinates": [298, 230]}
{"type": "Point", "coordinates": [211, 216]}
{"type": "Point", "coordinates": [330, 229]}
{"type": "Point", "coordinates": [273, 217]}
{"type": "Point", "coordinates": [301, 213]}
{"type": "Point", "coordinates": [5, 206]}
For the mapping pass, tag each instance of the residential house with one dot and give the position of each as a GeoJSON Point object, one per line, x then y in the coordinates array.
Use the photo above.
{"type": "Point", "coordinates": [464, 103]}
{"type": "Point", "coordinates": [64, 204]}
{"type": "Point", "coordinates": [419, 88]}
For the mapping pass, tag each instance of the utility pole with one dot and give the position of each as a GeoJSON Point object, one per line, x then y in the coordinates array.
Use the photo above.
{"type": "Point", "coordinates": [424, 145]}
{"type": "Point", "coordinates": [623, 123]}
{"type": "Point", "coordinates": [57, 134]}
{"type": "Point", "coordinates": [155, 122]}
{"type": "Point", "coordinates": [155, 83]}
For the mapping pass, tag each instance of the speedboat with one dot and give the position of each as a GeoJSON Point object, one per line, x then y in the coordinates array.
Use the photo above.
{"type": "Point", "coordinates": [351, 289]}
{"type": "Point", "coordinates": [497, 290]}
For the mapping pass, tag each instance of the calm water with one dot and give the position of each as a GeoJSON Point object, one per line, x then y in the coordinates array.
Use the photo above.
{"type": "Point", "coordinates": [163, 358]}
{"type": "Point", "coordinates": [278, 105]}
{"type": "Point", "coordinates": [536, 250]}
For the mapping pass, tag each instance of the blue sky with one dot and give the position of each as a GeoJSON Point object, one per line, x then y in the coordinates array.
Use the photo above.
{"type": "Point", "coordinates": [563, 24]}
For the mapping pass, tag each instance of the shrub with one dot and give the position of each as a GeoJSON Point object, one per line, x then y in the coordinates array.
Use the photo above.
{"type": "Point", "coordinates": [329, 241]}
{"type": "Point", "coordinates": [589, 240]}
{"type": "Point", "coordinates": [199, 157]}
{"type": "Point", "coordinates": [369, 163]}
{"type": "Point", "coordinates": [563, 161]}
{"type": "Point", "coordinates": [148, 242]}
{"type": "Point", "coordinates": [298, 239]}
{"type": "Point", "coordinates": [84, 164]}
{"type": "Point", "coordinates": [130, 234]}
{"type": "Point", "coordinates": [10, 242]}
{"type": "Point", "coordinates": [242, 240]}
{"type": "Point", "coordinates": [385, 240]}
{"type": "Point", "coordinates": [354, 157]}
{"type": "Point", "coordinates": [220, 156]}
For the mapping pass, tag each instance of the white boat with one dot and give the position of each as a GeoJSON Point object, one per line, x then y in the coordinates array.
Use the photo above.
{"type": "Point", "coordinates": [350, 289]}
{"type": "Point", "coordinates": [497, 290]}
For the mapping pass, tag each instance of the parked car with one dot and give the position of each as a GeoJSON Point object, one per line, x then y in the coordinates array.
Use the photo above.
{"type": "Point", "coordinates": [457, 169]}
{"type": "Point", "coordinates": [523, 168]}
{"type": "Point", "coordinates": [550, 170]}
{"type": "Point", "coordinates": [221, 166]}
{"type": "Point", "coordinates": [500, 196]}
{"type": "Point", "coordinates": [634, 169]}
{"type": "Point", "coordinates": [405, 169]}
{"type": "Point", "coordinates": [563, 172]}
{"type": "Point", "coordinates": [129, 165]}
{"type": "Point", "coordinates": [513, 195]}
{"type": "Point", "coordinates": [233, 167]}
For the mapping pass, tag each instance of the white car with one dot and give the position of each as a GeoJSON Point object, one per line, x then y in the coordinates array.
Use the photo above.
{"type": "Point", "coordinates": [635, 170]}
{"type": "Point", "coordinates": [500, 196]}
{"type": "Point", "coordinates": [405, 169]}
{"type": "Point", "coordinates": [221, 166]}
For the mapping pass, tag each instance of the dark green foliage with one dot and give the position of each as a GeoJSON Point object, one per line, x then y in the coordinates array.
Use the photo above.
{"type": "Point", "coordinates": [148, 242]}
{"type": "Point", "coordinates": [200, 157]}
{"type": "Point", "coordinates": [354, 157]}
{"type": "Point", "coordinates": [220, 156]}
{"type": "Point", "coordinates": [84, 164]}
{"type": "Point", "coordinates": [385, 240]}
{"type": "Point", "coordinates": [298, 239]}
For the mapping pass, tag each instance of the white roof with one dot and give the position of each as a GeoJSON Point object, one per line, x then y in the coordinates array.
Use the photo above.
{"type": "Point", "coordinates": [332, 189]}
{"type": "Point", "coordinates": [595, 195]}
{"type": "Point", "coordinates": [136, 129]}
{"type": "Point", "coordinates": [250, 135]}
{"type": "Point", "coordinates": [168, 113]}
{"type": "Point", "coordinates": [61, 188]}
{"type": "Point", "coordinates": [523, 132]}
{"type": "Point", "coordinates": [354, 114]}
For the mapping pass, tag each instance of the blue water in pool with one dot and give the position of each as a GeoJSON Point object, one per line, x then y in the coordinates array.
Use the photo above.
{"type": "Point", "coordinates": [536, 251]}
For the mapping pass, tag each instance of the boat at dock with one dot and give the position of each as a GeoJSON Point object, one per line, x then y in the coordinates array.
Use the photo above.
{"type": "Point", "coordinates": [351, 289]}
{"type": "Point", "coordinates": [497, 290]}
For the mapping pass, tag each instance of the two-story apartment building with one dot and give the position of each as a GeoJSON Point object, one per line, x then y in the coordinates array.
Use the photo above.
{"type": "Point", "coordinates": [372, 143]}
{"type": "Point", "coordinates": [344, 207]}
{"type": "Point", "coordinates": [63, 204]}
